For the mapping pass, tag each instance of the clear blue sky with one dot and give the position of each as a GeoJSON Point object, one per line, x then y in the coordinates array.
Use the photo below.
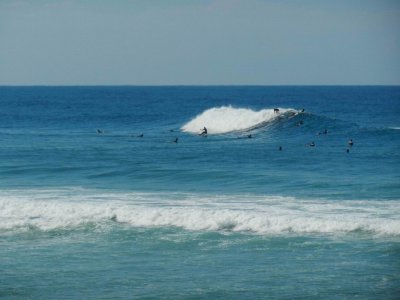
{"type": "Point", "coordinates": [154, 42]}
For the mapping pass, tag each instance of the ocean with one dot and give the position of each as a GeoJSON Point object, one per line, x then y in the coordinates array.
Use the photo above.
{"type": "Point", "coordinates": [112, 192]}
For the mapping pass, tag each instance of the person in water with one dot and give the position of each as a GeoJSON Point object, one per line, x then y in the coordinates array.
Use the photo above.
{"type": "Point", "coordinates": [323, 132]}
{"type": "Point", "coordinates": [175, 141]}
{"type": "Point", "coordinates": [204, 131]}
{"type": "Point", "coordinates": [249, 136]}
{"type": "Point", "coordinates": [350, 142]}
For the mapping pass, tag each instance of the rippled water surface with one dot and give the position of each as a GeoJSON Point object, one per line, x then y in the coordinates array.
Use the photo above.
{"type": "Point", "coordinates": [112, 192]}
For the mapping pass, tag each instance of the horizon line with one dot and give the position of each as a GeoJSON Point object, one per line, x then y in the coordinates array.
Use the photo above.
{"type": "Point", "coordinates": [197, 85]}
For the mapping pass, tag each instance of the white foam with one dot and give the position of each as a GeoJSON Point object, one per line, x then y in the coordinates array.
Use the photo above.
{"type": "Point", "coordinates": [47, 210]}
{"type": "Point", "coordinates": [226, 119]}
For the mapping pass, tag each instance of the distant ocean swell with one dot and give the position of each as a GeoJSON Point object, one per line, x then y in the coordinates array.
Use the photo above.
{"type": "Point", "coordinates": [266, 215]}
{"type": "Point", "coordinates": [229, 119]}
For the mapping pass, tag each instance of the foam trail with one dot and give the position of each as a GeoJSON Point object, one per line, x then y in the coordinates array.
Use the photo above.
{"type": "Point", "coordinates": [228, 119]}
{"type": "Point", "coordinates": [266, 215]}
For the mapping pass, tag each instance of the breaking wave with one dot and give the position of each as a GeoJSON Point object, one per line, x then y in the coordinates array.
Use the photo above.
{"type": "Point", "coordinates": [227, 119]}
{"type": "Point", "coordinates": [265, 215]}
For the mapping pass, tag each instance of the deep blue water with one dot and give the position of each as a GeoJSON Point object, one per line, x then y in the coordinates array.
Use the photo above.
{"type": "Point", "coordinates": [115, 215]}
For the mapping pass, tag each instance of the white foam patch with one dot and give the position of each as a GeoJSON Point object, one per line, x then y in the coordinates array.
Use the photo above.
{"type": "Point", "coordinates": [54, 209]}
{"type": "Point", "coordinates": [227, 119]}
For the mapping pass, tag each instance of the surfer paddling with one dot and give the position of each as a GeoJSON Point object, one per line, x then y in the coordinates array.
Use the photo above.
{"type": "Point", "coordinates": [312, 144]}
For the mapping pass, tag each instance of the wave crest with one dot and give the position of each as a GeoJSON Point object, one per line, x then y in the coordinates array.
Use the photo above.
{"type": "Point", "coordinates": [227, 119]}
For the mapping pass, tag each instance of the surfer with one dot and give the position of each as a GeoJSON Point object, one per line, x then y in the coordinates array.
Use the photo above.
{"type": "Point", "coordinates": [276, 110]}
{"type": "Point", "coordinates": [175, 141]}
{"type": "Point", "coordinates": [312, 144]}
{"type": "Point", "coordinates": [280, 148]}
{"type": "Point", "coordinates": [140, 135]}
{"type": "Point", "coordinates": [99, 131]}
{"type": "Point", "coordinates": [300, 123]}
{"type": "Point", "coordinates": [350, 142]}
{"type": "Point", "coordinates": [204, 131]}
{"type": "Point", "coordinates": [249, 136]}
{"type": "Point", "coordinates": [323, 132]}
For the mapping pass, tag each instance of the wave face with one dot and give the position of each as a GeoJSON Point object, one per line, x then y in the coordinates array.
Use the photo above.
{"type": "Point", "coordinates": [265, 215]}
{"type": "Point", "coordinates": [227, 119]}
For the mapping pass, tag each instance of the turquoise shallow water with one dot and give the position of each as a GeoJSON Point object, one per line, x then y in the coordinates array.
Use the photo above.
{"type": "Point", "coordinates": [114, 215]}
{"type": "Point", "coordinates": [171, 263]}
